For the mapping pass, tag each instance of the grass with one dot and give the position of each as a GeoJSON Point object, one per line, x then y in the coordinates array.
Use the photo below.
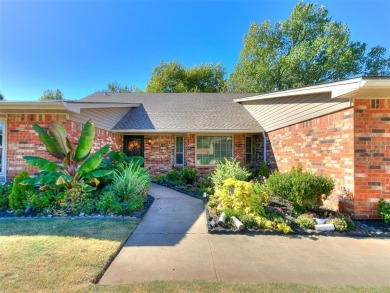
{"type": "Point", "coordinates": [64, 255]}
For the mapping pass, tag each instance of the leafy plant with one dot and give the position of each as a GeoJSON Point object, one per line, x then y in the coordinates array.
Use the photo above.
{"type": "Point", "coordinates": [305, 221]}
{"type": "Point", "coordinates": [19, 192]}
{"type": "Point", "coordinates": [340, 224]}
{"type": "Point", "coordinates": [71, 200]}
{"type": "Point", "coordinates": [384, 210]}
{"type": "Point", "coordinates": [263, 172]}
{"type": "Point", "coordinates": [304, 189]}
{"type": "Point", "coordinates": [5, 190]}
{"type": "Point", "coordinates": [40, 200]}
{"type": "Point", "coordinates": [188, 175]}
{"type": "Point", "coordinates": [77, 166]}
{"type": "Point", "coordinates": [229, 168]}
{"type": "Point", "coordinates": [133, 181]}
{"type": "Point", "coordinates": [173, 175]}
{"type": "Point", "coordinates": [109, 203]}
{"type": "Point", "coordinates": [136, 203]}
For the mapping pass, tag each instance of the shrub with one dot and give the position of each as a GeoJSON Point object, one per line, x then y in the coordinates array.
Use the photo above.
{"type": "Point", "coordinates": [188, 175]}
{"type": "Point", "coordinates": [340, 224]}
{"type": "Point", "coordinates": [229, 169]}
{"type": "Point", "coordinates": [205, 185]}
{"type": "Point", "coordinates": [19, 192]}
{"type": "Point", "coordinates": [173, 175]}
{"type": "Point", "coordinates": [384, 210]}
{"type": "Point", "coordinates": [263, 172]}
{"type": "Point", "coordinates": [40, 200]}
{"type": "Point", "coordinates": [303, 189]}
{"type": "Point", "coordinates": [305, 221]}
{"type": "Point", "coordinates": [262, 193]}
{"type": "Point", "coordinates": [136, 203]}
{"type": "Point", "coordinates": [109, 203]}
{"type": "Point", "coordinates": [71, 200]}
{"type": "Point", "coordinates": [133, 181]}
{"type": "Point", "coordinates": [5, 190]}
{"type": "Point", "coordinates": [159, 178]}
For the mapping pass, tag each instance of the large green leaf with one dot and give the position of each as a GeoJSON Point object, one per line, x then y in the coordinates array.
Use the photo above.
{"type": "Point", "coordinates": [50, 144]}
{"type": "Point", "coordinates": [86, 142]}
{"type": "Point", "coordinates": [41, 163]}
{"type": "Point", "coordinates": [44, 180]}
{"type": "Point", "coordinates": [59, 133]}
{"type": "Point", "coordinates": [98, 174]}
{"type": "Point", "coordinates": [93, 161]}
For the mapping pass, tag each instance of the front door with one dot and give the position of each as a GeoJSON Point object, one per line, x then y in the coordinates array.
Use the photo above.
{"type": "Point", "coordinates": [133, 145]}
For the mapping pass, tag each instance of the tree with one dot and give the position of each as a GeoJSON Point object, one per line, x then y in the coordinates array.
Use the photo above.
{"type": "Point", "coordinates": [2, 97]}
{"type": "Point", "coordinates": [305, 49]}
{"type": "Point", "coordinates": [376, 64]}
{"type": "Point", "coordinates": [172, 77]}
{"type": "Point", "coordinates": [50, 95]}
{"type": "Point", "coordinates": [115, 87]}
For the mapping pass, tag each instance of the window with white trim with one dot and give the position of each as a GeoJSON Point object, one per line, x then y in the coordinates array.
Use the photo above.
{"type": "Point", "coordinates": [179, 150]}
{"type": "Point", "coordinates": [248, 150]}
{"type": "Point", "coordinates": [211, 149]}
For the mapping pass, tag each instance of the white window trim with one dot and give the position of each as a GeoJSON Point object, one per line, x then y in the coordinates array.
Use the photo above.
{"type": "Point", "coordinates": [176, 164]}
{"type": "Point", "coordinates": [3, 173]}
{"type": "Point", "coordinates": [208, 134]}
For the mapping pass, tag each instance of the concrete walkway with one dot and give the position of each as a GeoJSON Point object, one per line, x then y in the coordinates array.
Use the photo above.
{"type": "Point", "coordinates": [171, 243]}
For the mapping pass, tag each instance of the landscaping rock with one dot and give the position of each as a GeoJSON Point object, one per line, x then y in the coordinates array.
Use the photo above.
{"type": "Point", "coordinates": [29, 210]}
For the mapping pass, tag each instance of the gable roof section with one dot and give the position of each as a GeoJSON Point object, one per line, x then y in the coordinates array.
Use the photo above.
{"type": "Point", "coordinates": [284, 108]}
{"type": "Point", "coordinates": [181, 112]}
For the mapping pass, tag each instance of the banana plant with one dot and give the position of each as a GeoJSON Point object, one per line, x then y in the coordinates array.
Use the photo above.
{"type": "Point", "coordinates": [76, 167]}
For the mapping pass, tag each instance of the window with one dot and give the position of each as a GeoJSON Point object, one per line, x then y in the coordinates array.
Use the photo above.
{"type": "Point", "coordinates": [374, 104]}
{"type": "Point", "coordinates": [210, 149]}
{"type": "Point", "coordinates": [179, 150]}
{"type": "Point", "coordinates": [248, 150]}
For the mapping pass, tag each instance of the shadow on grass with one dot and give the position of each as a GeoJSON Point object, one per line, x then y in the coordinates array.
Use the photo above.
{"type": "Point", "coordinates": [112, 230]}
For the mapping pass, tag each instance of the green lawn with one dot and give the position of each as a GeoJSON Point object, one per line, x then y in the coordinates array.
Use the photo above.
{"type": "Point", "coordinates": [64, 255]}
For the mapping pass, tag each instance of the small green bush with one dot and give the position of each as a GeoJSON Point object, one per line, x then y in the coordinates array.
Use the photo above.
{"type": "Point", "coordinates": [263, 172]}
{"type": "Point", "coordinates": [340, 224]}
{"type": "Point", "coordinates": [229, 168]}
{"type": "Point", "coordinates": [303, 189]}
{"type": "Point", "coordinates": [74, 200]}
{"type": "Point", "coordinates": [159, 178]}
{"type": "Point", "coordinates": [305, 221]}
{"type": "Point", "coordinates": [136, 203]}
{"type": "Point", "coordinates": [384, 210]}
{"type": "Point", "coordinates": [40, 200]}
{"type": "Point", "coordinates": [109, 203]}
{"type": "Point", "coordinates": [5, 190]}
{"type": "Point", "coordinates": [133, 181]}
{"type": "Point", "coordinates": [188, 175]}
{"type": "Point", "coordinates": [173, 175]}
{"type": "Point", "coordinates": [19, 192]}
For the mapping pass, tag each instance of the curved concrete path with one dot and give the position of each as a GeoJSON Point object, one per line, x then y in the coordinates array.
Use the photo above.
{"type": "Point", "coordinates": [171, 243]}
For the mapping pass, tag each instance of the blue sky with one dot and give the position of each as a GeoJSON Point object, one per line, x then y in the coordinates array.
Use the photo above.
{"type": "Point", "coordinates": [80, 46]}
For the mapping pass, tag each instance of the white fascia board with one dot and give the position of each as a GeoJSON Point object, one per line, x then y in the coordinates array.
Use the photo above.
{"type": "Point", "coordinates": [12, 105]}
{"type": "Point", "coordinates": [76, 107]}
{"type": "Point", "coordinates": [157, 131]}
{"type": "Point", "coordinates": [334, 88]}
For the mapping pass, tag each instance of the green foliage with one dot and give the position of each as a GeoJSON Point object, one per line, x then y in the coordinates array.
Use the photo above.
{"type": "Point", "coordinates": [205, 185]}
{"type": "Point", "coordinates": [384, 210]}
{"type": "Point", "coordinates": [71, 200]}
{"type": "Point", "coordinates": [115, 87]}
{"type": "Point", "coordinates": [263, 172]}
{"type": "Point", "coordinates": [40, 200]}
{"type": "Point", "coordinates": [136, 203]}
{"type": "Point", "coordinates": [5, 190]}
{"type": "Point", "coordinates": [19, 192]}
{"type": "Point", "coordinates": [109, 203]}
{"type": "Point", "coordinates": [50, 95]}
{"type": "Point", "coordinates": [172, 77]}
{"type": "Point", "coordinates": [76, 167]}
{"type": "Point", "coordinates": [303, 189]}
{"type": "Point", "coordinates": [376, 63]}
{"type": "Point", "coordinates": [159, 178]}
{"type": "Point", "coordinates": [262, 193]}
{"type": "Point", "coordinates": [229, 168]}
{"type": "Point", "coordinates": [188, 175]}
{"type": "Point", "coordinates": [133, 181]}
{"type": "Point", "coordinates": [305, 49]}
{"type": "Point", "coordinates": [340, 224]}
{"type": "Point", "coordinates": [174, 175]}
{"type": "Point", "coordinates": [305, 221]}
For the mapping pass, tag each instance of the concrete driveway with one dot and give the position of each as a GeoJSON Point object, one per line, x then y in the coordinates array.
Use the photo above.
{"type": "Point", "coordinates": [172, 243]}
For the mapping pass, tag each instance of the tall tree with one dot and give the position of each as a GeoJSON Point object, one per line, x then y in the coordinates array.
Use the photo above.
{"type": "Point", "coordinates": [306, 48]}
{"type": "Point", "coordinates": [115, 87]}
{"type": "Point", "coordinates": [1, 97]}
{"type": "Point", "coordinates": [376, 63]}
{"type": "Point", "coordinates": [172, 77]}
{"type": "Point", "coordinates": [50, 95]}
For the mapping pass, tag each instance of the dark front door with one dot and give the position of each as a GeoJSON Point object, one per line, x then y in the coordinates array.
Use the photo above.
{"type": "Point", "coordinates": [134, 145]}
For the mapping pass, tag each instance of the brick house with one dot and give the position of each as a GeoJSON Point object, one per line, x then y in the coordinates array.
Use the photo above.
{"type": "Point", "coordinates": [340, 129]}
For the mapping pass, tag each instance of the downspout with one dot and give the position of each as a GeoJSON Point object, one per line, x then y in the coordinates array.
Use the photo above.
{"type": "Point", "coordinates": [264, 147]}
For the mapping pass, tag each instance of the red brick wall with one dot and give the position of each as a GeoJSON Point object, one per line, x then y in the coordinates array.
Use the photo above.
{"type": "Point", "coordinates": [372, 156]}
{"type": "Point", "coordinates": [322, 145]}
{"type": "Point", "coordinates": [22, 140]}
